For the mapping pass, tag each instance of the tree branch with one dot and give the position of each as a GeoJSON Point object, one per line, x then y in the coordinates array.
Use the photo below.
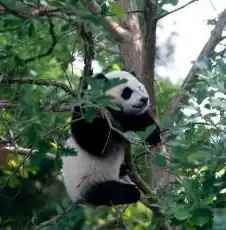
{"type": "Point", "coordinates": [192, 76]}
{"type": "Point", "coordinates": [43, 82]}
{"type": "Point", "coordinates": [88, 50]}
{"type": "Point", "coordinates": [50, 49]}
{"type": "Point", "coordinates": [113, 27]}
{"type": "Point", "coordinates": [150, 50]}
{"type": "Point", "coordinates": [173, 11]}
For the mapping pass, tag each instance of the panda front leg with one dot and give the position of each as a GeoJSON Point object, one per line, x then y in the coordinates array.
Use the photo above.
{"type": "Point", "coordinates": [112, 193]}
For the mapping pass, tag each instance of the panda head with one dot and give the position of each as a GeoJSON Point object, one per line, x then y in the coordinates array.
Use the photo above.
{"type": "Point", "coordinates": [131, 97]}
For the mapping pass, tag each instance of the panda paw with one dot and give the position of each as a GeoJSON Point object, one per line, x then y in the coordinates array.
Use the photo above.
{"type": "Point", "coordinates": [124, 170]}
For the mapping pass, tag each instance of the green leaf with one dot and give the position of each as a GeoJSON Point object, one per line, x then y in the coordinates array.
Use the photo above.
{"type": "Point", "coordinates": [68, 152]}
{"type": "Point", "coordinates": [118, 10]}
{"type": "Point", "coordinates": [19, 61]}
{"type": "Point", "coordinates": [96, 84]}
{"type": "Point", "coordinates": [31, 29]}
{"type": "Point", "coordinates": [188, 185]}
{"type": "Point", "coordinates": [23, 31]}
{"type": "Point", "coordinates": [43, 145]}
{"type": "Point", "coordinates": [173, 2]}
{"type": "Point", "coordinates": [114, 82]}
{"type": "Point", "coordinates": [160, 159]}
{"type": "Point", "coordinates": [182, 213]}
{"type": "Point", "coordinates": [209, 199]}
{"type": "Point", "coordinates": [149, 130]}
{"type": "Point", "coordinates": [23, 173]}
{"type": "Point", "coordinates": [14, 182]}
{"type": "Point", "coordinates": [37, 158]}
{"type": "Point", "coordinates": [95, 19]}
{"type": "Point", "coordinates": [90, 113]}
{"type": "Point", "coordinates": [202, 216]}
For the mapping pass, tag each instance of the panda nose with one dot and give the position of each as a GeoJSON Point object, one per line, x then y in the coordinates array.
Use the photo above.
{"type": "Point", "coordinates": [144, 100]}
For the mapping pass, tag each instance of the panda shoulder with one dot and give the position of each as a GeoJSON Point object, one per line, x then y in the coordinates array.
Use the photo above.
{"type": "Point", "coordinates": [70, 143]}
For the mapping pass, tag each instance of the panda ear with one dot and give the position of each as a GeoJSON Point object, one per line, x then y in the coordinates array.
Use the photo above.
{"type": "Point", "coordinates": [101, 76]}
{"type": "Point", "coordinates": [133, 73]}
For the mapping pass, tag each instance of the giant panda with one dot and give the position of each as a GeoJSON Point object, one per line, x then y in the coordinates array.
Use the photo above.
{"type": "Point", "coordinates": [94, 175]}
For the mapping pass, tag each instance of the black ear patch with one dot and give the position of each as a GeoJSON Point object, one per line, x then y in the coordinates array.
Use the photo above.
{"type": "Point", "coordinates": [133, 73]}
{"type": "Point", "coordinates": [126, 93]}
{"type": "Point", "coordinates": [101, 76]}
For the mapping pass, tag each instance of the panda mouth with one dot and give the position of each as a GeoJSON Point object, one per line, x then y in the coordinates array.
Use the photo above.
{"type": "Point", "coordinates": [141, 106]}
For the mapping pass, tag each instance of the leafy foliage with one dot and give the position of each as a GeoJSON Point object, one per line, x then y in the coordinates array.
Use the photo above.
{"type": "Point", "coordinates": [37, 123]}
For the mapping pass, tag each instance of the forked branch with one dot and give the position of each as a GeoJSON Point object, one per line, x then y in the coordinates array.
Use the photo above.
{"type": "Point", "coordinates": [207, 51]}
{"type": "Point", "coordinates": [117, 30]}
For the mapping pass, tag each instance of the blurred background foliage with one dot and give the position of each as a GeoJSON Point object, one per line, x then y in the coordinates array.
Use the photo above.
{"type": "Point", "coordinates": [34, 123]}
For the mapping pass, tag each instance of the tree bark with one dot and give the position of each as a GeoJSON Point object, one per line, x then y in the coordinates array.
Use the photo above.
{"type": "Point", "coordinates": [132, 50]}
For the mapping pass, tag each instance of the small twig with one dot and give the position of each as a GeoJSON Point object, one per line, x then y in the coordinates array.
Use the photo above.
{"type": "Point", "coordinates": [212, 4]}
{"type": "Point", "coordinates": [108, 117]}
{"type": "Point", "coordinates": [43, 82]}
{"type": "Point", "coordinates": [173, 11]}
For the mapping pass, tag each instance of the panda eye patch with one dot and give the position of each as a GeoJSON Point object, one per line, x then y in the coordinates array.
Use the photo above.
{"type": "Point", "coordinates": [126, 93]}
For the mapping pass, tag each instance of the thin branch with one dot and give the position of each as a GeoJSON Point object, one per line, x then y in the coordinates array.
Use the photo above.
{"type": "Point", "coordinates": [50, 49]}
{"type": "Point", "coordinates": [43, 82]}
{"type": "Point", "coordinates": [24, 151]}
{"type": "Point", "coordinates": [102, 46]}
{"type": "Point", "coordinates": [57, 218]}
{"type": "Point", "coordinates": [135, 12]}
{"type": "Point", "coordinates": [207, 51]}
{"type": "Point", "coordinates": [88, 49]}
{"type": "Point", "coordinates": [7, 104]}
{"type": "Point", "coordinates": [173, 11]}
{"type": "Point", "coordinates": [6, 8]}
{"type": "Point", "coordinates": [133, 174]}
{"type": "Point", "coordinates": [36, 12]}
{"type": "Point", "coordinates": [115, 29]}
{"type": "Point", "coordinates": [223, 37]}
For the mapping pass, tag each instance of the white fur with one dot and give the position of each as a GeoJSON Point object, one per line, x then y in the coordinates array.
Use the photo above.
{"type": "Point", "coordinates": [82, 170]}
{"type": "Point", "coordinates": [133, 83]}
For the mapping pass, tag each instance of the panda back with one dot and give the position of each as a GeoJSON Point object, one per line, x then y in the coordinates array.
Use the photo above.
{"type": "Point", "coordinates": [83, 170]}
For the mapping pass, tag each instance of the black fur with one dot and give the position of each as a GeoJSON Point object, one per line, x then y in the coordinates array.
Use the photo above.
{"type": "Point", "coordinates": [100, 138]}
{"type": "Point", "coordinates": [138, 123]}
{"type": "Point", "coordinates": [95, 137]}
{"type": "Point", "coordinates": [112, 193]}
{"type": "Point", "coordinates": [124, 169]}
